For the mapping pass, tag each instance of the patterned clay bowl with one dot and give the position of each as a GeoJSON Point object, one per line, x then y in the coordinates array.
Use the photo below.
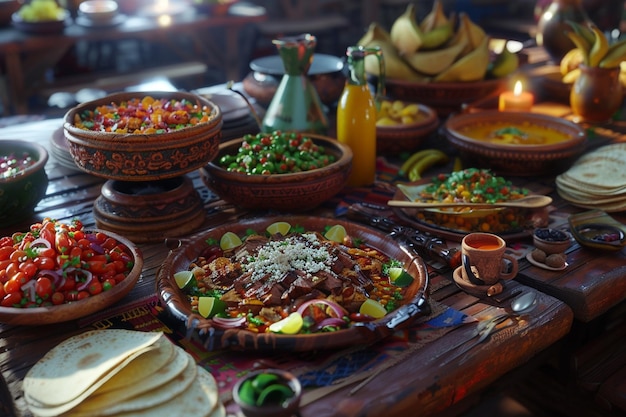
{"type": "Point", "coordinates": [550, 147]}
{"type": "Point", "coordinates": [295, 192]}
{"type": "Point", "coordinates": [144, 157]}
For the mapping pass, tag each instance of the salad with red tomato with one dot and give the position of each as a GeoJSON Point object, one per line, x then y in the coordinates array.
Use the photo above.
{"type": "Point", "coordinates": [55, 263]}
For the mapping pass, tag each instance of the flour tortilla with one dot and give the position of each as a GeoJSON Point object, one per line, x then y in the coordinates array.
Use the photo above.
{"type": "Point", "coordinates": [108, 405]}
{"type": "Point", "coordinates": [602, 171]}
{"type": "Point", "coordinates": [133, 381]}
{"type": "Point", "coordinates": [83, 363]}
{"type": "Point", "coordinates": [195, 401]}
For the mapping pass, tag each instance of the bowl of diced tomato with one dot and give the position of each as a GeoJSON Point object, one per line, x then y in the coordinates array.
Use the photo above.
{"type": "Point", "coordinates": [143, 136]}
{"type": "Point", "coordinates": [57, 272]}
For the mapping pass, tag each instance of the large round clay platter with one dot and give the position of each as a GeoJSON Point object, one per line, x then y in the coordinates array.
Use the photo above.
{"type": "Point", "coordinates": [177, 305]}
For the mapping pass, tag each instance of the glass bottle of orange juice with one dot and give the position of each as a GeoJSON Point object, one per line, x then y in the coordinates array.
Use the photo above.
{"type": "Point", "coordinates": [356, 115]}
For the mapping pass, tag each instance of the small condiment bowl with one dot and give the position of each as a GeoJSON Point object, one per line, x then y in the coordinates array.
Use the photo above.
{"type": "Point", "coordinates": [286, 407]}
{"type": "Point", "coordinates": [551, 240]}
{"type": "Point", "coordinates": [20, 193]}
{"type": "Point", "coordinates": [98, 10]}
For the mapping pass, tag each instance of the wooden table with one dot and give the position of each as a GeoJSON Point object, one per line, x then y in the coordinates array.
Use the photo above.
{"type": "Point", "coordinates": [190, 36]}
{"type": "Point", "coordinates": [432, 379]}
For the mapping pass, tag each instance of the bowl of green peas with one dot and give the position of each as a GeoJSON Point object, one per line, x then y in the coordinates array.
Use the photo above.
{"type": "Point", "coordinates": [280, 171]}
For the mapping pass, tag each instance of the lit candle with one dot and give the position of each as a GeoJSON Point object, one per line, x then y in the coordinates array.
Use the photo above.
{"type": "Point", "coordinates": [516, 100]}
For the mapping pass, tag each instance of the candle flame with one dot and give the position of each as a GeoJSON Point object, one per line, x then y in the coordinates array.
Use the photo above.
{"type": "Point", "coordinates": [517, 89]}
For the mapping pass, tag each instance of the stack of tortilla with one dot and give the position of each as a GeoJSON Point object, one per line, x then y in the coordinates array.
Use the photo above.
{"type": "Point", "coordinates": [597, 180]}
{"type": "Point", "coordinates": [120, 373]}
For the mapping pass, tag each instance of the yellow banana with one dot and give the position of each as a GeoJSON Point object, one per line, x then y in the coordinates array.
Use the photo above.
{"type": "Point", "coordinates": [413, 159]}
{"type": "Point", "coordinates": [582, 44]}
{"type": "Point", "coordinates": [505, 63]}
{"type": "Point", "coordinates": [583, 30]}
{"type": "Point", "coordinates": [405, 32]}
{"type": "Point", "coordinates": [615, 55]}
{"type": "Point", "coordinates": [475, 33]}
{"type": "Point", "coordinates": [435, 18]}
{"type": "Point", "coordinates": [571, 76]}
{"type": "Point", "coordinates": [433, 62]}
{"type": "Point", "coordinates": [570, 61]}
{"type": "Point", "coordinates": [395, 66]}
{"type": "Point", "coordinates": [437, 37]}
{"type": "Point", "coordinates": [433, 158]}
{"type": "Point", "coordinates": [599, 48]}
{"type": "Point", "coordinates": [470, 67]}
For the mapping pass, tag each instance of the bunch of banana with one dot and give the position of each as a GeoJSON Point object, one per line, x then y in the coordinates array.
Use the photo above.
{"type": "Point", "coordinates": [420, 161]}
{"type": "Point", "coordinates": [433, 50]}
{"type": "Point", "coordinates": [592, 49]}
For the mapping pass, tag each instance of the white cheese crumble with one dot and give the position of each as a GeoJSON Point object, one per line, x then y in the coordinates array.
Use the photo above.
{"type": "Point", "coordinates": [303, 253]}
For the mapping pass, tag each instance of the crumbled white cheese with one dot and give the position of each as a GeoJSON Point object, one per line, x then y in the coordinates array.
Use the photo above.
{"type": "Point", "coordinates": [304, 253]}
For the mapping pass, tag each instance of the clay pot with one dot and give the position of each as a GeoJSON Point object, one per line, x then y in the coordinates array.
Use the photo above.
{"type": "Point", "coordinates": [596, 94]}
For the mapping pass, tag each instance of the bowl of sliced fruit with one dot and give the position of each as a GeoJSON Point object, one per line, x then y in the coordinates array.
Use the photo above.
{"type": "Point", "coordinates": [402, 126]}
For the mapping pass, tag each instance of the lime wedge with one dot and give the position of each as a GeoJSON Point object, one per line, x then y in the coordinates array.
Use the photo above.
{"type": "Point", "coordinates": [336, 233]}
{"type": "Point", "coordinates": [279, 228]}
{"type": "Point", "coordinates": [400, 277]}
{"type": "Point", "coordinates": [372, 308]}
{"type": "Point", "coordinates": [210, 306]}
{"type": "Point", "coordinates": [230, 240]}
{"type": "Point", "coordinates": [185, 279]}
{"type": "Point", "coordinates": [289, 325]}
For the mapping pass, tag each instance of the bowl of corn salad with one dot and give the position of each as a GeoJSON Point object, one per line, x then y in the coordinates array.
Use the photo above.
{"type": "Point", "coordinates": [143, 136]}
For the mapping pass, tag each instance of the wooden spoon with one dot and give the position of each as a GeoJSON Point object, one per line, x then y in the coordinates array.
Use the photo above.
{"type": "Point", "coordinates": [531, 201]}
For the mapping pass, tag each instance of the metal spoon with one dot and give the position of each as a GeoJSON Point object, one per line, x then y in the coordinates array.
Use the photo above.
{"type": "Point", "coordinates": [524, 303]}
{"type": "Point", "coordinates": [531, 201]}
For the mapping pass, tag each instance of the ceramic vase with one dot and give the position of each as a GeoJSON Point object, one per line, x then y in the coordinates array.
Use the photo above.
{"type": "Point", "coordinates": [596, 94]}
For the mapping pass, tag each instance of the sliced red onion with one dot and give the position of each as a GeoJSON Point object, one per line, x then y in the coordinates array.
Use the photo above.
{"type": "Point", "coordinates": [88, 278]}
{"type": "Point", "coordinates": [97, 248]}
{"type": "Point", "coordinates": [229, 323]}
{"type": "Point", "coordinates": [58, 279]}
{"type": "Point", "coordinates": [40, 242]}
{"type": "Point", "coordinates": [338, 310]}
{"type": "Point", "coordinates": [30, 287]}
{"type": "Point", "coordinates": [330, 321]}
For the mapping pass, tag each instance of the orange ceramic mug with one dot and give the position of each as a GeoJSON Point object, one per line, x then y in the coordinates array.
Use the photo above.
{"type": "Point", "coordinates": [485, 254]}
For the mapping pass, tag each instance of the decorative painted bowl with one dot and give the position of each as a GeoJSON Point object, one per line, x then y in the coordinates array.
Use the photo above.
{"type": "Point", "coordinates": [516, 143]}
{"type": "Point", "coordinates": [144, 157]}
{"type": "Point", "coordinates": [283, 404]}
{"type": "Point", "coordinates": [406, 137]}
{"type": "Point", "coordinates": [295, 192]}
{"type": "Point", "coordinates": [70, 311]}
{"type": "Point", "coordinates": [444, 98]}
{"type": "Point", "coordinates": [22, 190]}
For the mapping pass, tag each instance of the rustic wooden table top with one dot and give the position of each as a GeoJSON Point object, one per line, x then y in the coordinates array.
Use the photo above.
{"type": "Point", "coordinates": [432, 378]}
